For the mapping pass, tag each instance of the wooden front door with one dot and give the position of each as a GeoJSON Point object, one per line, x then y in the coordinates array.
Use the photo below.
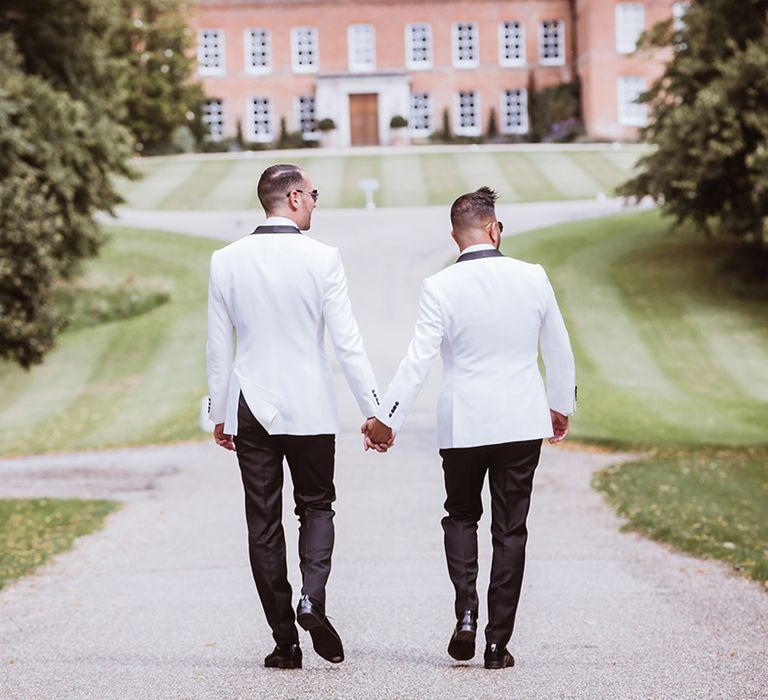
{"type": "Point", "coordinates": [364, 119]}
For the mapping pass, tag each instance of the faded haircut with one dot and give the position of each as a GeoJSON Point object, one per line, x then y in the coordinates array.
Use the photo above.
{"type": "Point", "coordinates": [276, 182]}
{"type": "Point", "coordinates": [474, 209]}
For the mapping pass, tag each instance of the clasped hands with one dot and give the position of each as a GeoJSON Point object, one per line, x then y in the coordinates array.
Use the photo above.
{"type": "Point", "coordinates": [376, 435]}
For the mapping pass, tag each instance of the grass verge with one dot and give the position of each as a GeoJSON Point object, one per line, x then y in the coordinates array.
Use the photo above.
{"type": "Point", "coordinates": [711, 503]}
{"type": "Point", "coordinates": [34, 530]}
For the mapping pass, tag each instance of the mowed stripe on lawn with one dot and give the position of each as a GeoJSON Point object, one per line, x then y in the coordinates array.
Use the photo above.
{"type": "Point", "coordinates": [117, 383]}
{"type": "Point", "coordinates": [651, 368]}
{"type": "Point", "coordinates": [405, 179]}
{"type": "Point", "coordinates": [402, 182]}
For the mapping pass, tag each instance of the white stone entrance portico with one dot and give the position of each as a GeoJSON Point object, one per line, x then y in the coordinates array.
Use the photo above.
{"type": "Point", "coordinates": [332, 100]}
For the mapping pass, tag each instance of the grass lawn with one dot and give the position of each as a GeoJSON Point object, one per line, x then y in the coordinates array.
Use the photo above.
{"type": "Point", "coordinates": [129, 382]}
{"type": "Point", "coordinates": [33, 530]}
{"type": "Point", "coordinates": [669, 357]}
{"type": "Point", "coordinates": [711, 503]}
{"type": "Point", "coordinates": [424, 177]}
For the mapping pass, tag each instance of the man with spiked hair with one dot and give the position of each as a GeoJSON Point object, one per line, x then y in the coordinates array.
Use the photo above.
{"type": "Point", "coordinates": [271, 396]}
{"type": "Point", "coordinates": [487, 315]}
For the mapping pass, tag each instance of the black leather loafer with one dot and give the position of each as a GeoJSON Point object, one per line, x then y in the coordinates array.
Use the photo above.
{"type": "Point", "coordinates": [497, 656]}
{"type": "Point", "coordinates": [284, 656]}
{"type": "Point", "coordinates": [325, 639]}
{"type": "Point", "coordinates": [462, 644]}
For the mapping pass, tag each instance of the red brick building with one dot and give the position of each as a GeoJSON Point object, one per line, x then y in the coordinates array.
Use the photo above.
{"type": "Point", "coordinates": [362, 62]}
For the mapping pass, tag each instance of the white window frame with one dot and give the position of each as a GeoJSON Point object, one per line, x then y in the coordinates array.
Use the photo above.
{"type": "Point", "coordinates": [456, 60]}
{"type": "Point", "coordinates": [297, 67]}
{"type": "Point", "coordinates": [558, 60]}
{"type": "Point", "coordinates": [410, 63]}
{"type": "Point", "coordinates": [251, 134]}
{"type": "Point", "coordinates": [504, 126]}
{"type": "Point", "coordinates": [356, 32]}
{"type": "Point", "coordinates": [429, 114]}
{"type": "Point", "coordinates": [205, 117]}
{"type": "Point", "coordinates": [297, 115]}
{"type": "Point", "coordinates": [630, 114]}
{"type": "Point", "coordinates": [678, 15]}
{"type": "Point", "coordinates": [630, 24]}
{"type": "Point", "coordinates": [250, 68]}
{"type": "Point", "coordinates": [222, 54]}
{"type": "Point", "coordinates": [460, 130]}
{"type": "Point", "coordinates": [505, 60]}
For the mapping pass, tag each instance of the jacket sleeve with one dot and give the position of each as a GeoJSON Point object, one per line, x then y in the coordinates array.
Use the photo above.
{"type": "Point", "coordinates": [414, 367]}
{"type": "Point", "coordinates": [557, 354]}
{"type": "Point", "coordinates": [347, 341]}
{"type": "Point", "coordinates": [219, 349]}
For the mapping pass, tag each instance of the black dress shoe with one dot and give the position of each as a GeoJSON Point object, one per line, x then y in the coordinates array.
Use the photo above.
{"type": "Point", "coordinates": [497, 656]}
{"type": "Point", "coordinates": [462, 644]}
{"type": "Point", "coordinates": [284, 656]}
{"type": "Point", "coordinates": [325, 639]}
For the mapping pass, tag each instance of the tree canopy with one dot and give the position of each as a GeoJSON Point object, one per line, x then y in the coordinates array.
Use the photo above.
{"type": "Point", "coordinates": [60, 143]}
{"type": "Point", "coordinates": [154, 41]}
{"type": "Point", "coordinates": [81, 81]}
{"type": "Point", "coordinates": [709, 120]}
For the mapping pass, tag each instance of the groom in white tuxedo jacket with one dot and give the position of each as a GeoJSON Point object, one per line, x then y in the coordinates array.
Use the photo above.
{"type": "Point", "coordinates": [487, 315]}
{"type": "Point", "coordinates": [271, 297]}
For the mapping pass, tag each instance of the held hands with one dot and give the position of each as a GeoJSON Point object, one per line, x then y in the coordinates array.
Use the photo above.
{"type": "Point", "coordinates": [559, 427]}
{"type": "Point", "coordinates": [222, 439]}
{"type": "Point", "coordinates": [377, 436]}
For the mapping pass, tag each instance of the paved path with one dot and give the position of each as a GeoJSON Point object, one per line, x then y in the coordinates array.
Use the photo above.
{"type": "Point", "coordinates": [160, 603]}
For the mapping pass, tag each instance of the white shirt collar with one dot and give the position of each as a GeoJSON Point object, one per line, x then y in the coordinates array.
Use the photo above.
{"type": "Point", "coordinates": [279, 221]}
{"type": "Point", "coordinates": [477, 246]}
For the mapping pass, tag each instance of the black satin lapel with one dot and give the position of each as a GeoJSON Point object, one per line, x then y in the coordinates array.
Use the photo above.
{"type": "Point", "coordinates": [275, 229]}
{"type": "Point", "coordinates": [475, 254]}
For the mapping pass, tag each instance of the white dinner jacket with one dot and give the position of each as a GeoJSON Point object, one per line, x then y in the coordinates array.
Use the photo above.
{"type": "Point", "coordinates": [270, 298]}
{"type": "Point", "coordinates": [487, 318]}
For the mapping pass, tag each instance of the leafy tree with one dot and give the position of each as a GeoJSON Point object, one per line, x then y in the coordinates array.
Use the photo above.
{"type": "Point", "coordinates": [154, 41]}
{"type": "Point", "coordinates": [709, 120]}
{"type": "Point", "coordinates": [61, 98]}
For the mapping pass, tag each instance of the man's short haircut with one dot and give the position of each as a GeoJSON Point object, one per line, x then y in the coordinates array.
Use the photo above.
{"type": "Point", "coordinates": [473, 209]}
{"type": "Point", "coordinates": [276, 182]}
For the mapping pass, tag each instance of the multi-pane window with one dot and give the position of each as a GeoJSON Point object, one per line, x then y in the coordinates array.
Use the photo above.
{"type": "Point", "coordinates": [514, 112]}
{"type": "Point", "coordinates": [259, 119]}
{"type": "Point", "coordinates": [421, 113]}
{"type": "Point", "coordinates": [465, 49]}
{"type": "Point", "coordinates": [511, 44]}
{"type": "Point", "coordinates": [213, 118]}
{"type": "Point", "coordinates": [418, 45]}
{"type": "Point", "coordinates": [552, 42]}
{"type": "Point", "coordinates": [304, 49]}
{"type": "Point", "coordinates": [361, 39]}
{"type": "Point", "coordinates": [630, 22]}
{"type": "Point", "coordinates": [210, 51]}
{"type": "Point", "coordinates": [678, 13]}
{"type": "Point", "coordinates": [467, 121]}
{"type": "Point", "coordinates": [258, 51]}
{"type": "Point", "coordinates": [304, 108]}
{"type": "Point", "coordinates": [628, 89]}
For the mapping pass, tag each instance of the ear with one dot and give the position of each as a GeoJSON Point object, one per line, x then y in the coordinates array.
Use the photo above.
{"type": "Point", "coordinates": [293, 203]}
{"type": "Point", "coordinates": [495, 236]}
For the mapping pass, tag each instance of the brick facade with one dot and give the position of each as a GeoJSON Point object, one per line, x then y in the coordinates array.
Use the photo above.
{"type": "Point", "coordinates": [261, 61]}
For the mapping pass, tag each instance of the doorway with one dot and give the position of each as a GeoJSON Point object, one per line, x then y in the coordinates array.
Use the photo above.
{"type": "Point", "coordinates": [364, 119]}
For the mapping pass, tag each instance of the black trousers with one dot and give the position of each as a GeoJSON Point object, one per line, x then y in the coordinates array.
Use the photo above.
{"type": "Point", "coordinates": [510, 468]}
{"type": "Point", "coordinates": [310, 459]}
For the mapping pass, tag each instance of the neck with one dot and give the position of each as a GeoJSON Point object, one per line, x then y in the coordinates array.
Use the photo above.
{"type": "Point", "coordinates": [466, 243]}
{"type": "Point", "coordinates": [285, 215]}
